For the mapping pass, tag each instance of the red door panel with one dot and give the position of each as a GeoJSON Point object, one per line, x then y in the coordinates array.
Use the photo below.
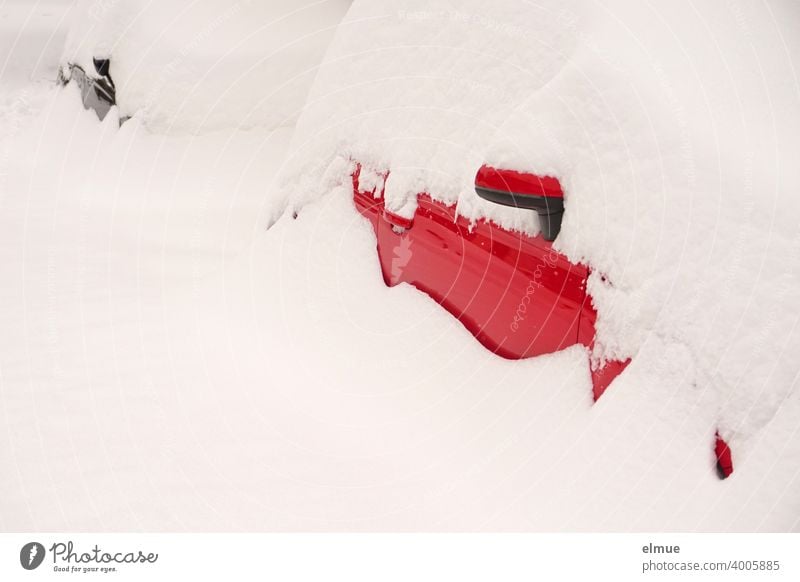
{"type": "Point", "coordinates": [517, 295]}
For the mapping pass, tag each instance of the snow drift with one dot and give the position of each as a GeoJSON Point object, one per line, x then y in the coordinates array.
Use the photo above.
{"type": "Point", "coordinates": [189, 67]}
{"type": "Point", "coordinates": [169, 364]}
{"type": "Point", "coordinates": [673, 129]}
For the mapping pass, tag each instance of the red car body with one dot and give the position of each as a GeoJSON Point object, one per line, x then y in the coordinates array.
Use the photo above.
{"type": "Point", "coordinates": [517, 295]}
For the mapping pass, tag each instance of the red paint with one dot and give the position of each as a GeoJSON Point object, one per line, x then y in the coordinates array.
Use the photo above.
{"type": "Point", "coordinates": [518, 296]}
{"type": "Point", "coordinates": [604, 374]}
{"type": "Point", "coordinates": [397, 220]}
{"type": "Point", "coordinates": [518, 182]}
{"type": "Point", "coordinates": [724, 457]}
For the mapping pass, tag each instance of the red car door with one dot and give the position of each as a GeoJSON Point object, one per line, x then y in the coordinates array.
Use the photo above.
{"type": "Point", "coordinates": [518, 296]}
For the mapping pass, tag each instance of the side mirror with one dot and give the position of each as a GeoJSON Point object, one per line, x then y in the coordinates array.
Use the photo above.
{"type": "Point", "coordinates": [510, 188]}
{"type": "Point", "coordinates": [96, 93]}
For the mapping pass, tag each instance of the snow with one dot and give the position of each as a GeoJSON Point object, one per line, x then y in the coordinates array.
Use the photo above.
{"type": "Point", "coordinates": [194, 67]}
{"type": "Point", "coordinates": [673, 129]}
{"type": "Point", "coordinates": [168, 363]}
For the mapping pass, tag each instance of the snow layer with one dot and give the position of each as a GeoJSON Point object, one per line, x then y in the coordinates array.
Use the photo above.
{"type": "Point", "coordinates": [31, 40]}
{"type": "Point", "coordinates": [674, 129]}
{"type": "Point", "coordinates": [167, 364]}
{"type": "Point", "coordinates": [187, 67]}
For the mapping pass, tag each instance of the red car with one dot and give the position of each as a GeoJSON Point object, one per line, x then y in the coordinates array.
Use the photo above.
{"type": "Point", "coordinates": [517, 295]}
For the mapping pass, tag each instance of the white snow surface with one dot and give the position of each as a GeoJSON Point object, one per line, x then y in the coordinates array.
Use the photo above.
{"type": "Point", "coordinates": [169, 364]}
{"type": "Point", "coordinates": [191, 67]}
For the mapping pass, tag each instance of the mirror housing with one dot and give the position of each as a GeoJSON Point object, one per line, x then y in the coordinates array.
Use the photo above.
{"type": "Point", "coordinates": [102, 66]}
{"type": "Point", "coordinates": [520, 190]}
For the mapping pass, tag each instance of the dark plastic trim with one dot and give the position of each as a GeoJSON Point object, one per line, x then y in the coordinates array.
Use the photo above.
{"type": "Point", "coordinates": [549, 208]}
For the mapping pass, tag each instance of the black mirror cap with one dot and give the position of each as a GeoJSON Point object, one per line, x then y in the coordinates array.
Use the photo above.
{"type": "Point", "coordinates": [521, 190]}
{"type": "Point", "coordinates": [102, 66]}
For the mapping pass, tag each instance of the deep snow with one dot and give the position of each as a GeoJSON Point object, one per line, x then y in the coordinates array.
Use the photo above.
{"type": "Point", "coordinates": [168, 363]}
{"type": "Point", "coordinates": [674, 129]}
{"type": "Point", "coordinates": [190, 67]}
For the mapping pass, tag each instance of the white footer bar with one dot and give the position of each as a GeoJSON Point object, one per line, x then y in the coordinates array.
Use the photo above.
{"type": "Point", "coordinates": [406, 557]}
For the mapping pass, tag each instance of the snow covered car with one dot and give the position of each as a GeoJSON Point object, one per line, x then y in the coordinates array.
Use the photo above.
{"type": "Point", "coordinates": [517, 295]}
{"type": "Point", "coordinates": [525, 187]}
{"type": "Point", "coordinates": [500, 276]}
